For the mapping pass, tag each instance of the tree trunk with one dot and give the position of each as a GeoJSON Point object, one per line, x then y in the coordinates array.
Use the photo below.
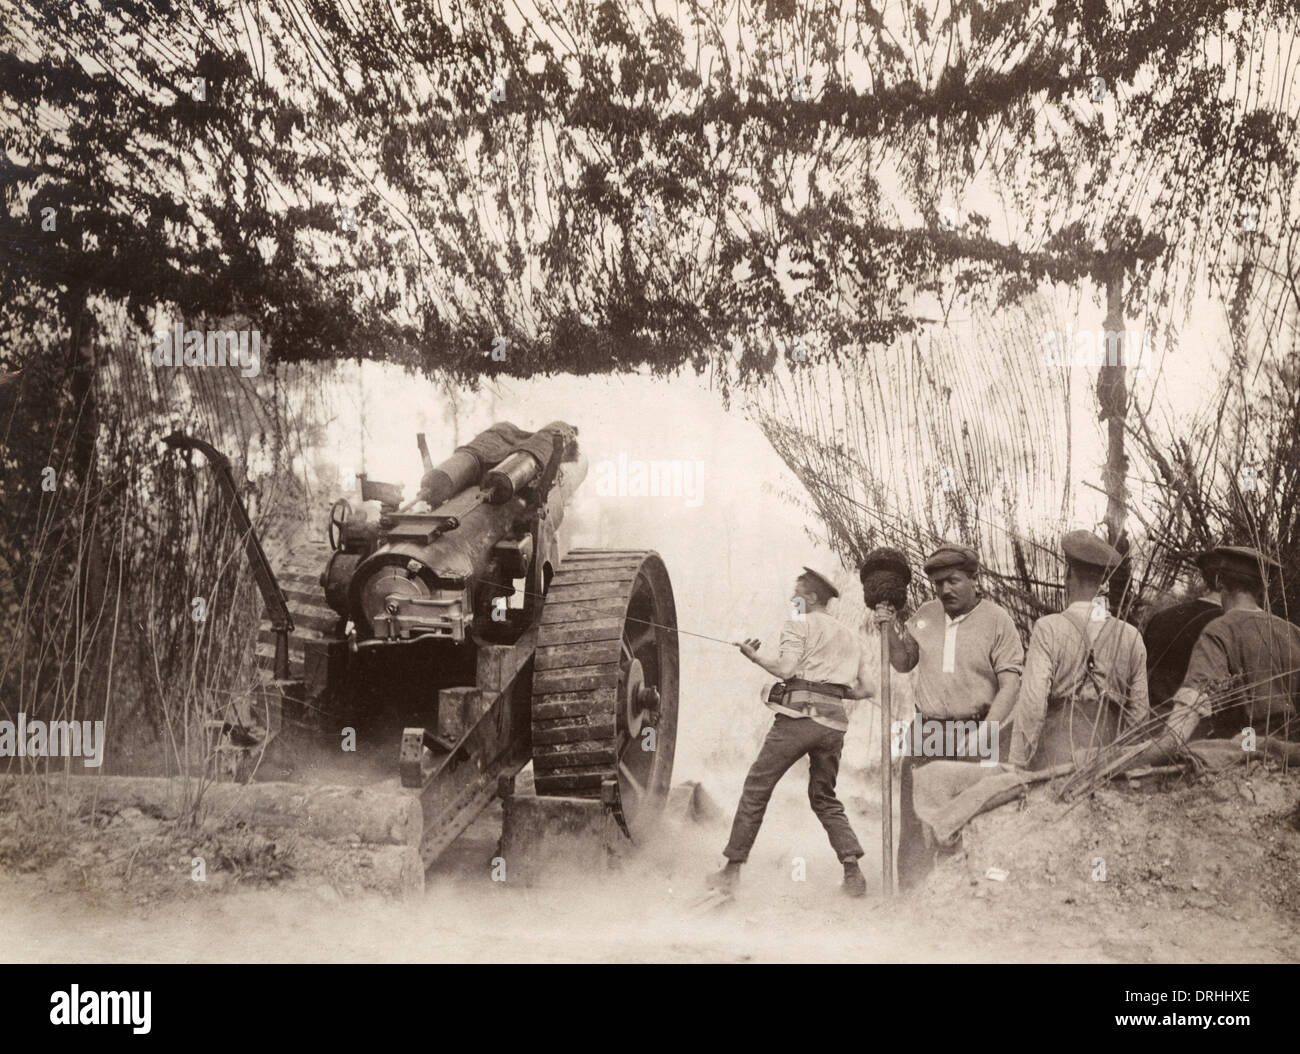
{"type": "Point", "coordinates": [82, 363]}
{"type": "Point", "coordinates": [1112, 395]}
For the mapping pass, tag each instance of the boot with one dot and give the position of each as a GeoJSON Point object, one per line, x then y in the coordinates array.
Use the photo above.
{"type": "Point", "coordinates": [855, 882]}
{"type": "Point", "coordinates": [726, 880]}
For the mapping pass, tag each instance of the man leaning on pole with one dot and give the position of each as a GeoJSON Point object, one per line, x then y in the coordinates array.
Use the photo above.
{"type": "Point", "coordinates": [968, 662]}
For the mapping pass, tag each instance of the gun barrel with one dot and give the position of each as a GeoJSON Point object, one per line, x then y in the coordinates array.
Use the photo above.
{"type": "Point", "coordinates": [463, 469]}
{"type": "Point", "coordinates": [511, 476]}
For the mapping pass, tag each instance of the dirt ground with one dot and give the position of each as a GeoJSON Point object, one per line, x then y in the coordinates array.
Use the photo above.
{"type": "Point", "coordinates": [1208, 872]}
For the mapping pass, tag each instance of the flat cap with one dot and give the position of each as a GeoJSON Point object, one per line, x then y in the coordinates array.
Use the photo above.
{"type": "Point", "coordinates": [1241, 560]}
{"type": "Point", "coordinates": [1084, 547]}
{"type": "Point", "coordinates": [948, 556]}
{"type": "Point", "coordinates": [885, 559]}
{"type": "Point", "coordinates": [817, 576]}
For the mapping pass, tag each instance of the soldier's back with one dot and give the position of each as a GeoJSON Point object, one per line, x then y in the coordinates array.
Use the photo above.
{"type": "Point", "coordinates": [1117, 648]}
{"type": "Point", "coordinates": [1170, 636]}
{"type": "Point", "coordinates": [1089, 703]}
{"type": "Point", "coordinates": [1249, 660]}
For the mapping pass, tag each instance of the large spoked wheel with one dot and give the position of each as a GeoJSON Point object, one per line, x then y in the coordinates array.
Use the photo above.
{"type": "Point", "coordinates": [605, 684]}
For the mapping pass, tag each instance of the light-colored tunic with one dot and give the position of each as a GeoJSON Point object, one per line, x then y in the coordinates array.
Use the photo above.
{"type": "Point", "coordinates": [960, 659]}
{"type": "Point", "coordinates": [1056, 665]}
{"type": "Point", "coordinates": [823, 649]}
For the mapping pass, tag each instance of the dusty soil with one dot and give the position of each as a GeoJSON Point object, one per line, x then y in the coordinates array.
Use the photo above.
{"type": "Point", "coordinates": [1202, 873]}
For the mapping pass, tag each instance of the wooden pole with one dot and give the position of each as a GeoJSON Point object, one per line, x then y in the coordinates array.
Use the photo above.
{"type": "Point", "coordinates": [886, 772]}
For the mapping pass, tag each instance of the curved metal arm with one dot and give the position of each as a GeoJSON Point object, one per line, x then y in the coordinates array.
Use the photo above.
{"type": "Point", "coordinates": [276, 605]}
{"type": "Point", "coordinates": [181, 441]}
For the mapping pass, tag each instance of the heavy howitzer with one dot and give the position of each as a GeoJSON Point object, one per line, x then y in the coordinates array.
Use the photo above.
{"type": "Point", "coordinates": [409, 638]}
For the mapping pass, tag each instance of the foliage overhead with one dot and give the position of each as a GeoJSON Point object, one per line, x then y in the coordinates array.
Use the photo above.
{"type": "Point", "coordinates": [610, 186]}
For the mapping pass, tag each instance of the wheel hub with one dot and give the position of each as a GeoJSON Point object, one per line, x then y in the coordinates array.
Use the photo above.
{"type": "Point", "coordinates": [641, 700]}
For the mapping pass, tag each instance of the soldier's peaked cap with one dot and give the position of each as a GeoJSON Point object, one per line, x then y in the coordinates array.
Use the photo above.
{"type": "Point", "coordinates": [821, 580]}
{"type": "Point", "coordinates": [1241, 560]}
{"type": "Point", "coordinates": [1084, 547]}
{"type": "Point", "coordinates": [885, 559]}
{"type": "Point", "coordinates": [950, 555]}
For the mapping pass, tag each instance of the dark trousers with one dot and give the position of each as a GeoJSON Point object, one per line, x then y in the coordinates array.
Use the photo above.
{"type": "Point", "coordinates": [790, 739]}
{"type": "Point", "coordinates": [915, 858]}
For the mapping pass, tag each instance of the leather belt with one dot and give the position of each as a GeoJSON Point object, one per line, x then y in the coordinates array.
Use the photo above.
{"type": "Point", "coordinates": [810, 698]}
{"type": "Point", "coordinates": [798, 684]}
{"type": "Point", "coordinates": [980, 716]}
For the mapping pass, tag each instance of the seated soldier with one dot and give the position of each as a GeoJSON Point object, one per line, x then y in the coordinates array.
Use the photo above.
{"type": "Point", "coordinates": [1085, 670]}
{"type": "Point", "coordinates": [1245, 668]}
{"type": "Point", "coordinates": [1171, 634]}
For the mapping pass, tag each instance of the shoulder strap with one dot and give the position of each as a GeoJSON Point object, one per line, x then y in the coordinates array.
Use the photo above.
{"type": "Point", "coordinates": [1090, 663]}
